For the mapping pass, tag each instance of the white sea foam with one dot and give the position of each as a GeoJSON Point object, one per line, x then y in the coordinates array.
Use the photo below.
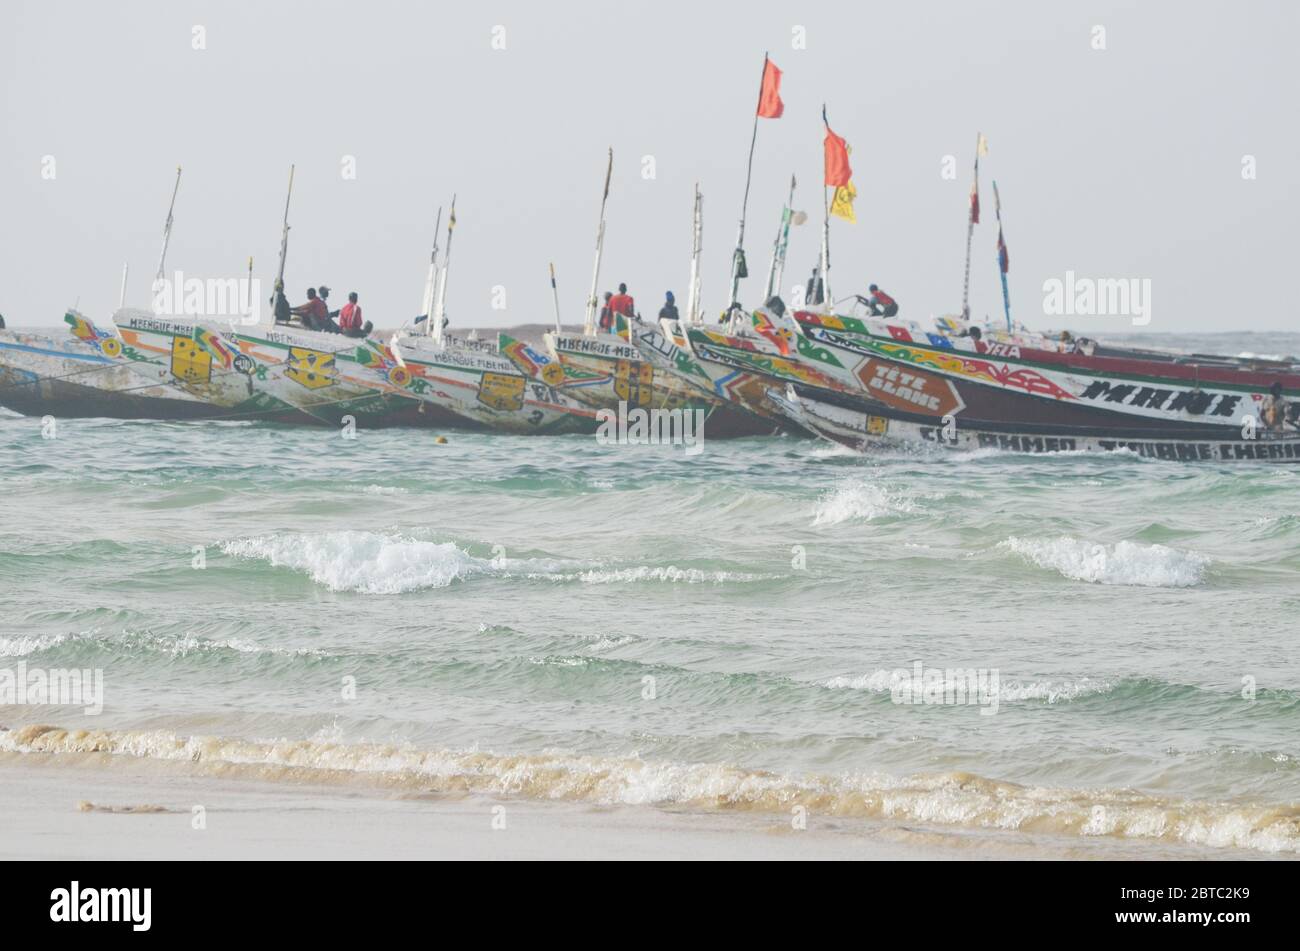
{"type": "Point", "coordinates": [832, 451]}
{"type": "Point", "coordinates": [383, 490]}
{"type": "Point", "coordinates": [1123, 563]}
{"type": "Point", "coordinates": [26, 646]}
{"type": "Point", "coordinates": [858, 499]}
{"type": "Point", "coordinates": [170, 644]}
{"type": "Point", "coordinates": [392, 563]}
{"type": "Point", "coordinates": [367, 562]}
{"type": "Point", "coordinates": [1008, 691]}
{"type": "Point", "coordinates": [948, 798]}
{"type": "Point", "coordinates": [670, 574]}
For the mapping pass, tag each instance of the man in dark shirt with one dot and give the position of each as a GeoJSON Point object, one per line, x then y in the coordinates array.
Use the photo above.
{"type": "Point", "coordinates": [669, 310]}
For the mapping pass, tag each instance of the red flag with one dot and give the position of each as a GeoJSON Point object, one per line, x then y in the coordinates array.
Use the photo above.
{"type": "Point", "coordinates": [1004, 259]}
{"type": "Point", "coordinates": [974, 204]}
{"type": "Point", "coordinates": [770, 105]}
{"type": "Point", "coordinates": [838, 172]}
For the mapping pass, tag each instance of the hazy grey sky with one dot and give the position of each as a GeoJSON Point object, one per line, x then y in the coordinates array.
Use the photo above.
{"type": "Point", "coordinates": [1125, 162]}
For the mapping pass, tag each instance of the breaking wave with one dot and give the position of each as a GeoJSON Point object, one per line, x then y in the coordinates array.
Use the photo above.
{"type": "Point", "coordinates": [146, 642]}
{"type": "Point", "coordinates": [901, 681]}
{"type": "Point", "coordinates": [367, 562]}
{"type": "Point", "coordinates": [392, 563]}
{"type": "Point", "coordinates": [944, 799]}
{"type": "Point", "coordinates": [860, 500]}
{"type": "Point", "coordinates": [1124, 563]}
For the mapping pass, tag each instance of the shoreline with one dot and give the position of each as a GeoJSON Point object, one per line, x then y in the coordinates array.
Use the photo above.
{"type": "Point", "coordinates": [98, 806]}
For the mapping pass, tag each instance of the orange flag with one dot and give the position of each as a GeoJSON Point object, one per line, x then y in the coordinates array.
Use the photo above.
{"type": "Point", "coordinates": [838, 172]}
{"type": "Point", "coordinates": [770, 105]}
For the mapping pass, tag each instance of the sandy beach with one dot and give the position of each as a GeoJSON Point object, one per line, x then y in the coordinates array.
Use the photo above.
{"type": "Point", "coordinates": [99, 806]}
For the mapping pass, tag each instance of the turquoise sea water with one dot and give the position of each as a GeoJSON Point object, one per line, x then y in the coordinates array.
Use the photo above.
{"type": "Point", "coordinates": [553, 618]}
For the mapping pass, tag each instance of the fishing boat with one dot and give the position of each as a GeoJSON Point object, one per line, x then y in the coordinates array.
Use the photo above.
{"type": "Point", "coordinates": [855, 425]}
{"type": "Point", "coordinates": [963, 386]}
{"type": "Point", "coordinates": [256, 368]}
{"type": "Point", "coordinates": [960, 384]}
{"type": "Point", "coordinates": [640, 364]}
{"type": "Point", "coordinates": [468, 378]}
{"type": "Point", "coordinates": [201, 363]}
{"type": "Point", "coordinates": [78, 377]}
{"type": "Point", "coordinates": [636, 365]}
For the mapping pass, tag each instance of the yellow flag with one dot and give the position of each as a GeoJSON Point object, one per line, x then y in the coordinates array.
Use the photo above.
{"type": "Point", "coordinates": [842, 204]}
{"type": "Point", "coordinates": [981, 145]}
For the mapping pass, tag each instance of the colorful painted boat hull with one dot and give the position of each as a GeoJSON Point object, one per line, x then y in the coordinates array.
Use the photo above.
{"type": "Point", "coordinates": [605, 370]}
{"type": "Point", "coordinates": [999, 383]}
{"type": "Point", "coordinates": [862, 430]}
{"type": "Point", "coordinates": [484, 390]}
{"type": "Point", "coordinates": [70, 378]}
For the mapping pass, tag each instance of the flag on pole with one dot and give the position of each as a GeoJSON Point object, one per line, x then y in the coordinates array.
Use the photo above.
{"type": "Point", "coordinates": [981, 150]}
{"type": "Point", "coordinates": [838, 171]}
{"type": "Point", "coordinates": [842, 202]}
{"type": "Point", "coordinates": [770, 105]}
{"type": "Point", "coordinates": [1004, 262]}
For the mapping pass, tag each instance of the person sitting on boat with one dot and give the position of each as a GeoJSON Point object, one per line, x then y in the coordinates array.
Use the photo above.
{"type": "Point", "coordinates": [881, 304]}
{"type": "Point", "coordinates": [622, 303]}
{"type": "Point", "coordinates": [323, 293]}
{"type": "Point", "coordinates": [1275, 408]}
{"type": "Point", "coordinates": [350, 319]}
{"type": "Point", "coordinates": [314, 314]}
{"type": "Point", "coordinates": [280, 305]}
{"type": "Point", "coordinates": [607, 315]}
{"type": "Point", "coordinates": [669, 310]}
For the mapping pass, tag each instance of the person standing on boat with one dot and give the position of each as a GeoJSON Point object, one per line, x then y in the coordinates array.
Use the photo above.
{"type": "Point", "coordinates": [622, 303]}
{"type": "Point", "coordinates": [1275, 408]}
{"type": "Point", "coordinates": [607, 315]}
{"type": "Point", "coordinates": [881, 304]}
{"type": "Point", "coordinates": [815, 292]}
{"type": "Point", "coordinates": [2, 321]}
{"type": "Point", "coordinates": [669, 310]}
{"type": "Point", "coordinates": [350, 319]}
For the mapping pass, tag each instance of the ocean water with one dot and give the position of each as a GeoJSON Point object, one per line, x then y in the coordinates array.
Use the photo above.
{"type": "Point", "coordinates": [740, 629]}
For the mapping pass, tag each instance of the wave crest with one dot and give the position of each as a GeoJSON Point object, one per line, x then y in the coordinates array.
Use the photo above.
{"type": "Point", "coordinates": [1123, 563]}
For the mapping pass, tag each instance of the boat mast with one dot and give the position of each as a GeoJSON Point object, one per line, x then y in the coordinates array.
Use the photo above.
{"type": "Point", "coordinates": [738, 268]}
{"type": "Point", "coordinates": [697, 243]}
{"type": "Point", "coordinates": [167, 227]}
{"type": "Point", "coordinates": [777, 268]}
{"type": "Point", "coordinates": [431, 279]}
{"type": "Point", "coordinates": [441, 306]}
{"type": "Point", "coordinates": [980, 148]}
{"type": "Point", "coordinates": [826, 233]}
{"type": "Point", "coordinates": [589, 325]}
{"type": "Point", "coordinates": [121, 298]}
{"type": "Point", "coordinates": [1002, 258]}
{"type": "Point", "coordinates": [284, 237]}
{"type": "Point", "coordinates": [555, 297]}
{"type": "Point", "coordinates": [826, 251]}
